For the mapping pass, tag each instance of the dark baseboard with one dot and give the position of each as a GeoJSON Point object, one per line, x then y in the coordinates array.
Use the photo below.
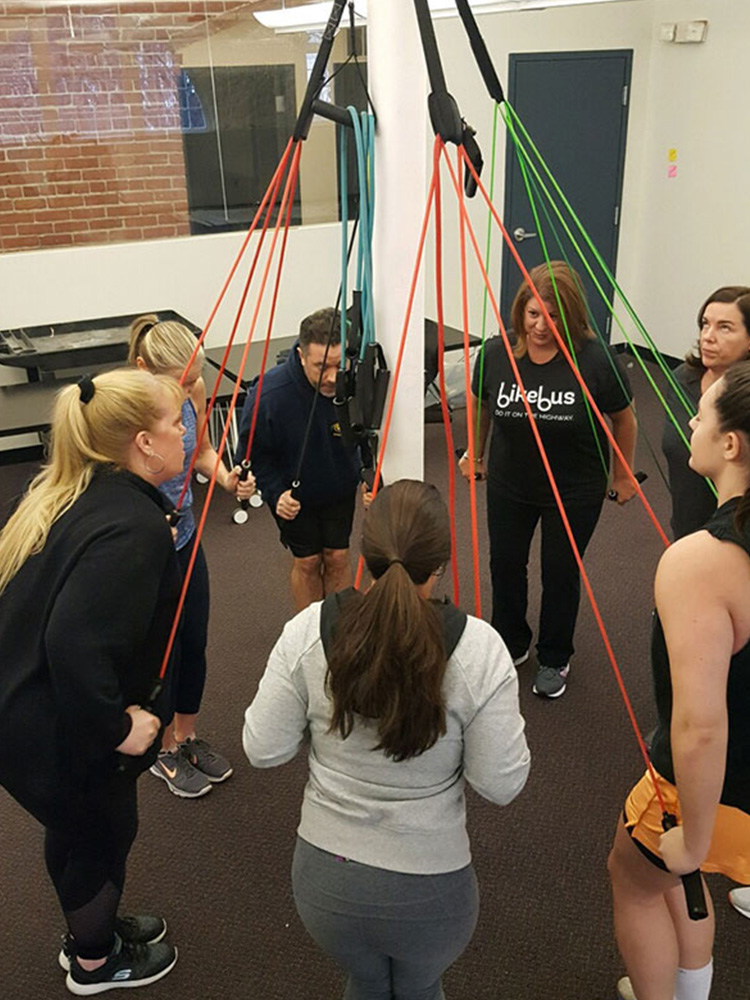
{"type": "Point", "coordinates": [13, 456]}
{"type": "Point", "coordinates": [647, 354]}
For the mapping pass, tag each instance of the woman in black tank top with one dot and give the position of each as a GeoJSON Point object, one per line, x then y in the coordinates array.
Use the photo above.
{"type": "Point", "coordinates": [701, 663]}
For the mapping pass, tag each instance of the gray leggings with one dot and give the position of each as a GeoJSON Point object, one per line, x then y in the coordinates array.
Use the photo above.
{"type": "Point", "coordinates": [395, 934]}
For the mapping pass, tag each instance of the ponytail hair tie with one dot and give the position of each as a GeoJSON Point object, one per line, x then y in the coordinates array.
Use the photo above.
{"type": "Point", "coordinates": [86, 389]}
{"type": "Point", "coordinates": [395, 562]}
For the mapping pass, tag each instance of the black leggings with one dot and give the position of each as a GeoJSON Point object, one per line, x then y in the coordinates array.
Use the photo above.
{"type": "Point", "coordinates": [86, 859]}
{"type": "Point", "coordinates": [511, 528]}
{"type": "Point", "coordinates": [189, 663]}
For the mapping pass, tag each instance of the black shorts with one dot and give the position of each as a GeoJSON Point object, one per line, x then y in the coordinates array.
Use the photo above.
{"type": "Point", "coordinates": [318, 528]}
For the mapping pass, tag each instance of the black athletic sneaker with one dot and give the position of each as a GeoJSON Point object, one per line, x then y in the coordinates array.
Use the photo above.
{"type": "Point", "coordinates": [551, 681]}
{"type": "Point", "coordinates": [128, 965]}
{"type": "Point", "coordinates": [136, 930]}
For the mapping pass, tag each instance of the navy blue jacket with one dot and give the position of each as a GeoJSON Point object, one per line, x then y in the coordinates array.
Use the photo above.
{"type": "Point", "coordinates": [330, 471]}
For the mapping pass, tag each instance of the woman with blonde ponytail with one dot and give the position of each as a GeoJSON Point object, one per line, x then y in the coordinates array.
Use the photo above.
{"type": "Point", "coordinates": [404, 699]}
{"type": "Point", "coordinates": [88, 591]}
{"type": "Point", "coordinates": [188, 765]}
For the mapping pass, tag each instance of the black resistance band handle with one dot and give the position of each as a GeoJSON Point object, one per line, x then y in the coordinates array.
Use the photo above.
{"type": "Point", "coordinates": [691, 883]}
{"type": "Point", "coordinates": [124, 759]}
{"type": "Point", "coordinates": [245, 467]}
{"type": "Point", "coordinates": [460, 452]}
{"type": "Point", "coordinates": [641, 477]}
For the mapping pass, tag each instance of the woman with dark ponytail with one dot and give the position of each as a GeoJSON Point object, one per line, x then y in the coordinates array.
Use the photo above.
{"type": "Point", "coordinates": [405, 699]}
{"type": "Point", "coordinates": [701, 748]}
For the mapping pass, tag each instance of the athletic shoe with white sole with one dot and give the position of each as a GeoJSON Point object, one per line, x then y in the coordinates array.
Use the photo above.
{"type": "Point", "coordinates": [740, 900]}
{"type": "Point", "coordinates": [551, 681]}
{"type": "Point", "coordinates": [625, 989]}
{"type": "Point", "coordinates": [175, 767]}
{"type": "Point", "coordinates": [128, 965]}
{"type": "Point", "coordinates": [520, 660]}
{"type": "Point", "coordinates": [135, 930]}
{"type": "Point", "coordinates": [208, 761]}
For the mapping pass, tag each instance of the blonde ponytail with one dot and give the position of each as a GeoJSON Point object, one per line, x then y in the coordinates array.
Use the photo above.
{"type": "Point", "coordinates": [165, 348]}
{"type": "Point", "coordinates": [85, 436]}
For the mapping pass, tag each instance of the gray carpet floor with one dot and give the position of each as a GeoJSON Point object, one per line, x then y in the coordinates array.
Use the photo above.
{"type": "Point", "coordinates": [218, 868]}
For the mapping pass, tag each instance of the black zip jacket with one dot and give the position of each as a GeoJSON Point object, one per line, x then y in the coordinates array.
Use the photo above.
{"type": "Point", "coordinates": [330, 471]}
{"type": "Point", "coordinates": [83, 629]}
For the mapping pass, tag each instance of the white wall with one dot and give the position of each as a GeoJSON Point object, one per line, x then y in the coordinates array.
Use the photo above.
{"type": "Point", "coordinates": [679, 238]}
{"type": "Point", "coordinates": [182, 274]}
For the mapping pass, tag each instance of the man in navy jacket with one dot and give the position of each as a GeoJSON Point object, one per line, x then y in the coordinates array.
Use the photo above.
{"type": "Point", "coordinates": [315, 522]}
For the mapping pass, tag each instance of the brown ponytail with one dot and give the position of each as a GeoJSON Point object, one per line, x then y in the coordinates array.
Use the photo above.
{"type": "Point", "coordinates": [733, 408]}
{"type": "Point", "coordinates": [387, 658]}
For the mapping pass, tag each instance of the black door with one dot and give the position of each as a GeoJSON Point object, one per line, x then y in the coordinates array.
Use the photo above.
{"type": "Point", "coordinates": [574, 106]}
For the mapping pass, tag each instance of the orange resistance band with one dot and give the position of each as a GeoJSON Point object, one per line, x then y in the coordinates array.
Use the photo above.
{"type": "Point", "coordinates": [550, 475]}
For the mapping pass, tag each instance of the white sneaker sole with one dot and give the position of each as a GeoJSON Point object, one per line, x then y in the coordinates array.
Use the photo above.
{"type": "Point", "coordinates": [89, 989]}
{"type": "Point", "coordinates": [157, 771]}
{"type": "Point", "coordinates": [64, 961]}
{"type": "Point", "coordinates": [740, 900]}
{"type": "Point", "coordinates": [543, 694]}
{"type": "Point", "coordinates": [214, 780]}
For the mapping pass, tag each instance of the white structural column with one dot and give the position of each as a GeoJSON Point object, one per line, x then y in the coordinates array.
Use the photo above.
{"type": "Point", "coordinates": [399, 91]}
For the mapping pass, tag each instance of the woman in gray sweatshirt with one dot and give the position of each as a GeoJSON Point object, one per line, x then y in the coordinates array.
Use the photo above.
{"type": "Point", "coordinates": [403, 700]}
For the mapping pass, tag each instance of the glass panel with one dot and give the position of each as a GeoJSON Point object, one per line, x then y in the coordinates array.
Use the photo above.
{"type": "Point", "coordinates": [140, 120]}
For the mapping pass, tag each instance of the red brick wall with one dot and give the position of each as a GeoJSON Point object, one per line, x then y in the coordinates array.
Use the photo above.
{"type": "Point", "coordinates": [90, 139]}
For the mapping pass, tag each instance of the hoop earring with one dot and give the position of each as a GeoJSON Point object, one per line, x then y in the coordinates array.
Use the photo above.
{"type": "Point", "coordinates": [150, 471]}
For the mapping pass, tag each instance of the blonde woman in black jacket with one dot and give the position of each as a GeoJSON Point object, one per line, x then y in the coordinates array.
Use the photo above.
{"type": "Point", "coordinates": [87, 560]}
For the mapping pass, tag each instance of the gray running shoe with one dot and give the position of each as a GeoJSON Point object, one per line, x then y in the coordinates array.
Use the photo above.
{"type": "Point", "coordinates": [208, 761]}
{"type": "Point", "coordinates": [181, 777]}
{"type": "Point", "coordinates": [551, 681]}
{"type": "Point", "coordinates": [127, 965]}
{"type": "Point", "coordinates": [136, 930]}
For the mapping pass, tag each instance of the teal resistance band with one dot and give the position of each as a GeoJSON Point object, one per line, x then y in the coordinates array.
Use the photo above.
{"type": "Point", "coordinates": [344, 203]}
{"type": "Point", "coordinates": [363, 127]}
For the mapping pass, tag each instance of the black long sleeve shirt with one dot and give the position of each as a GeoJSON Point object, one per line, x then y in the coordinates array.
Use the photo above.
{"type": "Point", "coordinates": [83, 629]}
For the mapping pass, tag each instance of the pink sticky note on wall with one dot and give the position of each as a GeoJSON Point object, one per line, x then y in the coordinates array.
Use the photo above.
{"type": "Point", "coordinates": [672, 171]}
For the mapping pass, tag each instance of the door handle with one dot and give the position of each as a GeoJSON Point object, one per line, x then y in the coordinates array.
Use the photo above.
{"type": "Point", "coordinates": [520, 234]}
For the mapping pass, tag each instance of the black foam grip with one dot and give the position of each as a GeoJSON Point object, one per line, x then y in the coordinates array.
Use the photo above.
{"type": "Point", "coordinates": [474, 153]}
{"type": "Point", "coordinates": [694, 896]}
{"type": "Point", "coordinates": [429, 46]}
{"type": "Point", "coordinates": [124, 759]}
{"type": "Point", "coordinates": [305, 117]}
{"type": "Point", "coordinates": [482, 56]}
{"type": "Point", "coordinates": [333, 113]}
{"type": "Point", "coordinates": [692, 883]}
{"type": "Point", "coordinates": [245, 466]}
{"type": "Point", "coordinates": [445, 117]}
{"type": "Point", "coordinates": [640, 477]}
